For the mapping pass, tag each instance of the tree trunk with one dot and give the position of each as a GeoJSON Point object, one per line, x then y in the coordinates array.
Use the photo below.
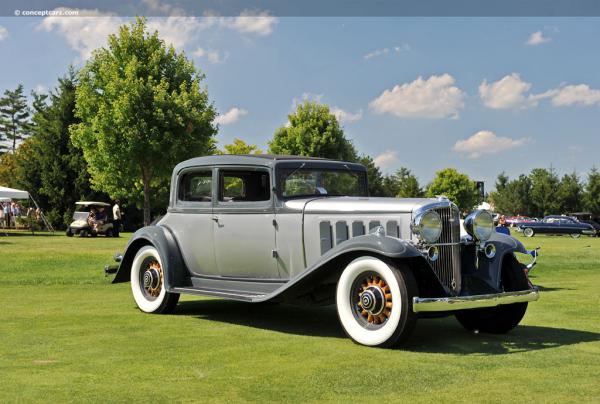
{"type": "Point", "coordinates": [146, 181]}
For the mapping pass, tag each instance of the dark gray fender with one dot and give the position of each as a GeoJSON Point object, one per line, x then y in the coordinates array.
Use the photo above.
{"type": "Point", "coordinates": [161, 238]}
{"type": "Point", "coordinates": [333, 261]}
{"type": "Point", "coordinates": [489, 270]}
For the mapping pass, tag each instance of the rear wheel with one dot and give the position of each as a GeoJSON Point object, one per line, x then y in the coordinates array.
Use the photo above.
{"type": "Point", "coordinates": [147, 283]}
{"type": "Point", "coordinates": [374, 302]}
{"type": "Point", "coordinates": [500, 319]}
{"type": "Point", "coordinates": [69, 232]}
{"type": "Point", "coordinates": [528, 232]}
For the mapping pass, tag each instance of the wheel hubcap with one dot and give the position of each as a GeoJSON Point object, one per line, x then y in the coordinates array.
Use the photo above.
{"type": "Point", "coordinates": [152, 279]}
{"type": "Point", "coordinates": [375, 300]}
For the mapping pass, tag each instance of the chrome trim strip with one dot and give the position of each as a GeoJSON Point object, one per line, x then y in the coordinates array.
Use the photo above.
{"type": "Point", "coordinates": [428, 304]}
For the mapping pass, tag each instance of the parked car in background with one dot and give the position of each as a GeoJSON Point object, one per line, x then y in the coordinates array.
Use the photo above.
{"type": "Point", "coordinates": [589, 218]}
{"type": "Point", "coordinates": [265, 228]}
{"type": "Point", "coordinates": [514, 221]}
{"type": "Point", "coordinates": [555, 224]}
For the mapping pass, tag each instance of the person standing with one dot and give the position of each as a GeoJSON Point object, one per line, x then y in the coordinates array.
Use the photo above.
{"type": "Point", "coordinates": [117, 216]}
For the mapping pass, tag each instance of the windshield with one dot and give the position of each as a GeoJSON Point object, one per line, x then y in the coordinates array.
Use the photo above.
{"type": "Point", "coordinates": [80, 215]}
{"type": "Point", "coordinates": [294, 182]}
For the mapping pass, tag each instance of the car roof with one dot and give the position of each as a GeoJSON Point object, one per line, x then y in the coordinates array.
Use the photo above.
{"type": "Point", "coordinates": [268, 160]}
{"type": "Point", "coordinates": [89, 203]}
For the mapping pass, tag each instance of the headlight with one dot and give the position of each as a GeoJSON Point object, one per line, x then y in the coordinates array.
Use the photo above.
{"type": "Point", "coordinates": [480, 225]}
{"type": "Point", "coordinates": [427, 226]}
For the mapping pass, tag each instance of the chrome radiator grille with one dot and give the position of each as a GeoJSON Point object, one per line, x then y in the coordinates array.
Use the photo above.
{"type": "Point", "coordinates": [447, 266]}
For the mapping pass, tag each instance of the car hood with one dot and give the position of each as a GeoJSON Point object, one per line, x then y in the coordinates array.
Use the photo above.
{"type": "Point", "coordinates": [359, 204]}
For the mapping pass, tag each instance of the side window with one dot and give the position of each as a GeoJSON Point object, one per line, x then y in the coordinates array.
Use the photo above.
{"type": "Point", "coordinates": [196, 186]}
{"type": "Point", "coordinates": [244, 186]}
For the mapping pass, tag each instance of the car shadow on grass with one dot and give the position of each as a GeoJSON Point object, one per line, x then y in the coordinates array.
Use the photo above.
{"type": "Point", "coordinates": [441, 335]}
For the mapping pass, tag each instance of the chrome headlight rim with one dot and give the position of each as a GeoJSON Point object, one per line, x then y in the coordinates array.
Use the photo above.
{"type": "Point", "coordinates": [427, 226]}
{"type": "Point", "coordinates": [479, 225]}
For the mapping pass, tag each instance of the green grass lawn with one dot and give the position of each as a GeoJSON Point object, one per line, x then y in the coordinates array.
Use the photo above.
{"type": "Point", "coordinates": [67, 334]}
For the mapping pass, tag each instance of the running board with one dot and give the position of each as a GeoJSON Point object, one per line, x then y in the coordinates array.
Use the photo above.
{"type": "Point", "coordinates": [226, 294]}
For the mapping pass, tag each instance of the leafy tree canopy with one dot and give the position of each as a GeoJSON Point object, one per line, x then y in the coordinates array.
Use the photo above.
{"type": "Point", "coordinates": [457, 187]}
{"type": "Point", "coordinates": [142, 109]}
{"type": "Point", "coordinates": [313, 131]}
{"type": "Point", "coordinates": [240, 147]}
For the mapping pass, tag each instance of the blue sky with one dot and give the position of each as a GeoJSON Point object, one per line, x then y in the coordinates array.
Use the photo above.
{"type": "Point", "coordinates": [494, 94]}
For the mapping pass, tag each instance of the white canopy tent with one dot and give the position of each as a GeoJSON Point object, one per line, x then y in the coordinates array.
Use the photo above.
{"type": "Point", "coordinates": [8, 194]}
{"type": "Point", "coordinates": [11, 193]}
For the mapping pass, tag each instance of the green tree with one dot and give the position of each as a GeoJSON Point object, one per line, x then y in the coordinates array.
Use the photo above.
{"type": "Point", "coordinates": [313, 131]}
{"type": "Point", "coordinates": [512, 197]}
{"type": "Point", "coordinates": [569, 193]}
{"type": "Point", "coordinates": [592, 192]}
{"type": "Point", "coordinates": [374, 176]}
{"type": "Point", "coordinates": [457, 187]}
{"type": "Point", "coordinates": [142, 109]}
{"type": "Point", "coordinates": [240, 147]}
{"type": "Point", "coordinates": [14, 117]}
{"type": "Point", "coordinates": [544, 186]}
{"type": "Point", "coordinates": [403, 184]}
{"type": "Point", "coordinates": [61, 166]}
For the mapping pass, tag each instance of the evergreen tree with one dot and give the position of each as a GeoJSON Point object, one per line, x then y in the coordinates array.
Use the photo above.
{"type": "Point", "coordinates": [62, 168]}
{"type": "Point", "coordinates": [403, 184]}
{"type": "Point", "coordinates": [544, 186]}
{"type": "Point", "coordinates": [374, 176]}
{"type": "Point", "coordinates": [570, 193]}
{"type": "Point", "coordinates": [592, 192]}
{"type": "Point", "coordinates": [14, 117]}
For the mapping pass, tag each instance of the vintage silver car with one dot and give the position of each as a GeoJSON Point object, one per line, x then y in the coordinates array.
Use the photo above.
{"type": "Point", "coordinates": [301, 230]}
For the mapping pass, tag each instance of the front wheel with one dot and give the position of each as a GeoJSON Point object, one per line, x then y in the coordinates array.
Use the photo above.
{"type": "Point", "coordinates": [575, 235]}
{"type": "Point", "coordinates": [147, 283]}
{"type": "Point", "coordinates": [500, 319]}
{"type": "Point", "coordinates": [528, 232]}
{"type": "Point", "coordinates": [374, 302]}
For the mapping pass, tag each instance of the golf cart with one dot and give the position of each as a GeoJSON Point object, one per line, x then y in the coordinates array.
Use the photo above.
{"type": "Point", "coordinates": [86, 223]}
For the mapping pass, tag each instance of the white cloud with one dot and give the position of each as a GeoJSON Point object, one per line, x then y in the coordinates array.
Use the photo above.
{"type": "Point", "coordinates": [40, 89]}
{"type": "Point", "coordinates": [580, 94]}
{"type": "Point", "coordinates": [213, 56]}
{"type": "Point", "coordinates": [346, 116]}
{"type": "Point", "coordinates": [537, 38]}
{"type": "Point", "coordinates": [512, 92]}
{"type": "Point", "coordinates": [386, 159]}
{"type": "Point", "coordinates": [385, 51]}
{"type": "Point", "coordinates": [508, 92]}
{"type": "Point", "coordinates": [435, 97]}
{"type": "Point", "coordinates": [3, 33]}
{"type": "Point", "coordinates": [230, 116]}
{"type": "Point", "coordinates": [251, 22]}
{"type": "Point", "coordinates": [487, 142]}
{"type": "Point", "coordinates": [176, 31]}
{"type": "Point", "coordinates": [83, 34]}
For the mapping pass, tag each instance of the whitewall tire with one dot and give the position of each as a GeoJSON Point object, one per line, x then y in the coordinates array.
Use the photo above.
{"type": "Point", "coordinates": [374, 302]}
{"type": "Point", "coordinates": [147, 283]}
{"type": "Point", "coordinates": [528, 232]}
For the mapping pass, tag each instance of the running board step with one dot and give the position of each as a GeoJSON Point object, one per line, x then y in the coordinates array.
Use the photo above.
{"type": "Point", "coordinates": [226, 294]}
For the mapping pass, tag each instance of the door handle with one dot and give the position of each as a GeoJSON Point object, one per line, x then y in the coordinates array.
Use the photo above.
{"type": "Point", "coordinates": [216, 219]}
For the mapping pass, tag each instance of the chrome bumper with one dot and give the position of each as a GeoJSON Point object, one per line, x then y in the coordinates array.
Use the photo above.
{"type": "Point", "coordinates": [428, 304]}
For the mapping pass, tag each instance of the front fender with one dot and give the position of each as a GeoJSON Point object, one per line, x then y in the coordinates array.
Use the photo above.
{"type": "Point", "coordinates": [161, 238]}
{"type": "Point", "coordinates": [330, 264]}
{"type": "Point", "coordinates": [476, 265]}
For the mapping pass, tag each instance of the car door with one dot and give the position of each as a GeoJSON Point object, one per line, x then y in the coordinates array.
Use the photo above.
{"type": "Point", "coordinates": [190, 220]}
{"type": "Point", "coordinates": [244, 224]}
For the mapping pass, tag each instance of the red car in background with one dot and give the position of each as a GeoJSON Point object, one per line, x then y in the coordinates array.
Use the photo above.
{"type": "Point", "coordinates": [514, 221]}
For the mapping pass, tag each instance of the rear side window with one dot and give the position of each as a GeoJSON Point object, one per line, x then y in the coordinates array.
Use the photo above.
{"type": "Point", "coordinates": [244, 186]}
{"type": "Point", "coordinates": [196, 186]}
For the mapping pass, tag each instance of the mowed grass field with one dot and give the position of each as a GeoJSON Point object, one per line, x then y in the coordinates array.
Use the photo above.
{"type": "Point", "coordinates": [67, 334]}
